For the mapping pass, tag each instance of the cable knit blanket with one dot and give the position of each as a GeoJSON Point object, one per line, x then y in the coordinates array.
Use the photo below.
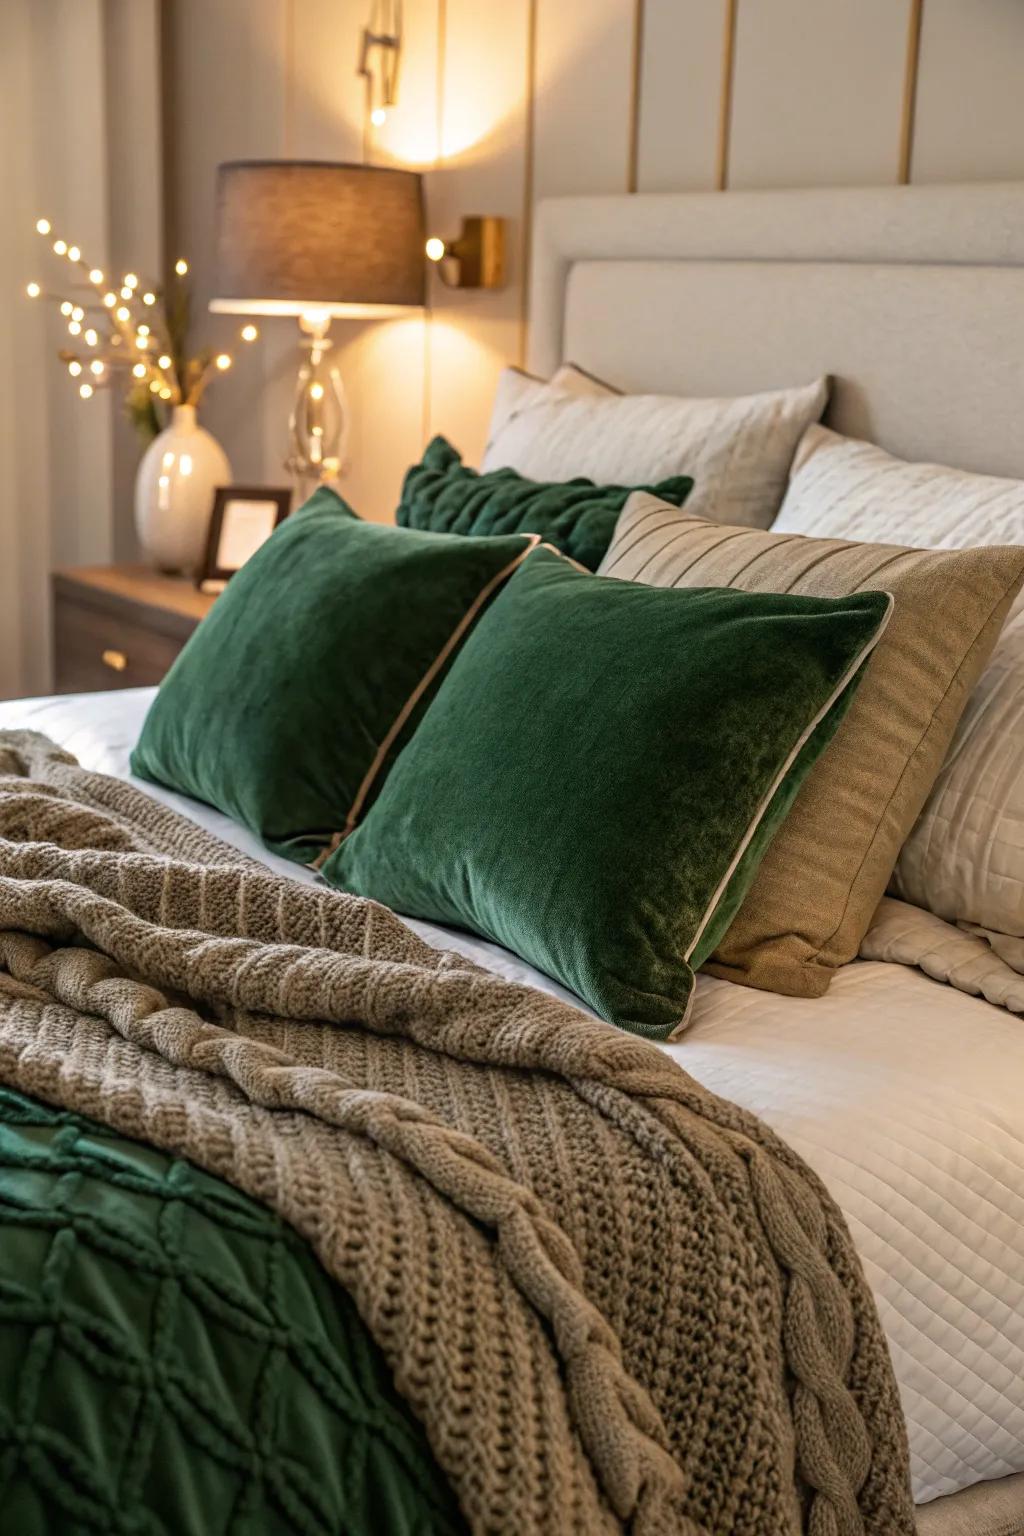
{"type": "Point", "coordinates": [615, 1301]}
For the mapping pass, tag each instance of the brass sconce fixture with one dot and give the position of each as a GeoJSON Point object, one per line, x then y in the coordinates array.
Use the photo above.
{"type": "Point", "coordinates": [379, 57]}
{"type": "Point", "coordinates": [476, 259]}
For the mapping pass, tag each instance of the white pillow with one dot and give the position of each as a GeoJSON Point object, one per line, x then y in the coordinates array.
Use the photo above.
{"type": "Point", "coordinates": [964, 859]}
{"type": "Point", "coordinates": [738, 451]}
{"type": "Point", "coordinates": [517, 389]}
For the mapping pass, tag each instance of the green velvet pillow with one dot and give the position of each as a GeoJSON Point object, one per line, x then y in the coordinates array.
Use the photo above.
{"type": "Point", "coordinates": [602, 770]}
{"type": "Point", "coordinates": [291, 699]}
{"type": "Point", "coordinates": [576, 516]}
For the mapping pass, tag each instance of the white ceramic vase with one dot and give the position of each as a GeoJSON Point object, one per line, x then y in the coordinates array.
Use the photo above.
{"type": "Point", "coordinates": [174, 487]}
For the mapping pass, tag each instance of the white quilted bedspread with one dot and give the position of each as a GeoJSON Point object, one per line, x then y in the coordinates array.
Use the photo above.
{"type": "Point", "coordinates": [906, 1096]}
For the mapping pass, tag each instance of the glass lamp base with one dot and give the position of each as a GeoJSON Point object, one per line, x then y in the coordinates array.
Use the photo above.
{"type": "Point", "coordinates": [318, 424]}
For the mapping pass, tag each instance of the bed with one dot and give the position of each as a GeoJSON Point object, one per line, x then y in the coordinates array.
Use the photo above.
{"type": "Point", "coordinates": [914, 300]}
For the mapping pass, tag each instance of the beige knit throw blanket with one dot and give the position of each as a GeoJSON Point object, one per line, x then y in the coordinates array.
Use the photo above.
{"type": "Point", "coordinates": [616, 1302]}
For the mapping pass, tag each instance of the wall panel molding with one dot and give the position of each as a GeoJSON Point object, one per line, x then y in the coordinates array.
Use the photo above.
{"type": "Point", "coordinates": [725, 94]}
{"type": "Point", "coordinates": [909, 109]}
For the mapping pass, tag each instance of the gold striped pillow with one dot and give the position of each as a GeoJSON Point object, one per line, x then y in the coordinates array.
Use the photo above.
{"type": "Point", "coordinates": [828, 867]}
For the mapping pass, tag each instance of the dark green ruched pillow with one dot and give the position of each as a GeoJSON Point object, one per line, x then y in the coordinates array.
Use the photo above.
{"type": "Point", "coordinates": [292, 698]}
{"type": "Point", "coordinates": [576, 516]}
{"type": "Point", "coordinates": [603, 769]}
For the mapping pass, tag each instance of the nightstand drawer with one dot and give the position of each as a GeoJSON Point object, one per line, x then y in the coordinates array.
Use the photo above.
{"type": "Point", "coordinates": [95, 651]}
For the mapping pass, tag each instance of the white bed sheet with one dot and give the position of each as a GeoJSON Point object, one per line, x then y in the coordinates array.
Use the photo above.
{"type": "Point", "coordinates": [907, 1097]}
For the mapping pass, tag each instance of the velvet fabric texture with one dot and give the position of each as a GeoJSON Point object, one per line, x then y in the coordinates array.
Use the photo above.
{"type": "Point", "coordinates": [575, 516]}
{"type": "Point", "coordinates": [601, 772]}
{"type": "Point", "coordinates": [291, 699]}
{"type": "Point", "coordinates": [173, 1357]}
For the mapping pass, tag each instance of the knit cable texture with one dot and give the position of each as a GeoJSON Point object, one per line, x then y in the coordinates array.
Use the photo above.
{"type": "Point", "coordinates": [615, 1301]}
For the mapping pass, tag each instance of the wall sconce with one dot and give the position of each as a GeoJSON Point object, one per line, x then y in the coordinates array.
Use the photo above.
{"type": "Point", "coordinates": [381, 45]}
{"type": "Point", "coordinates": [476, 259]}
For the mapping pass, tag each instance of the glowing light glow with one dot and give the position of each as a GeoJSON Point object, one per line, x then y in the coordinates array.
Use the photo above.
{"type": "Point", "coordinates": [185, 464]}
{"type": "Point", "coordinates": [96, 367]}
{"type": "Point", "coordinates": [91, 337]}
{"type": "Point", "coordinates": [43, 226]}
{"type": "Point", "coordinates": [143, 330]}
{"type": "Point", "coordinates": [164, 360]}
{"type": "Point", "coordinates": [130, 280]}
{"type": "Point", "coordinates": [96, 276]}
{"type": "Point", "coordinates": [378, 117]}
{"type": "Point", "coordinates": [123, 313]}
{"type": "Point", "coordinates": [316, 391]}
{"type": "Point", "coordinates": [74, 328]}
{"type": "Point", "coordinates": [154, 387]}
{"type": "Point", "coordinates": [78, 313]}
{"type": "Point", "coordinates": [74, 368]}
{"type": "Point", "coordinates": [126, 292]}
{"type": "Point", "coordinates": [181, 266]}
{"type": "Point", "coordinates": [60, 247]}
{"type": "Point", "coordinates": [223, 361]}
{"type": "Point", "coordinates": [149, 298]}
{"type": "Point", "coordinates": [66, 307]}
{"type": "Point", "coordinates": [165, 393]}
{"type": "Point", "coordinates": [434, 248]}
{"type": "Point", "coordinates": [249, 332]}
{"type": "Point", "coordinates": [139, 370]}
{"type": "Point", "coordinates": [142, 342]}
{"type": "Point", "coordinates": [74, 254]}
{"type": "Point", "coordinates": [33, 290]}
{"type": "Point", "coordinates": [85, 390]}
{"type": "Point", "coordinates": [110, 299]}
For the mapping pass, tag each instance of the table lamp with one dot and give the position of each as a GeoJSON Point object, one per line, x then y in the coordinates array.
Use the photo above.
{"type": "Point", "coordinates": [318, 241]}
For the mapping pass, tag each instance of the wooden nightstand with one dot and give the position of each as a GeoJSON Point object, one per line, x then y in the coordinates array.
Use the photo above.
{"type": "Point", "coordinates": [119, 626]}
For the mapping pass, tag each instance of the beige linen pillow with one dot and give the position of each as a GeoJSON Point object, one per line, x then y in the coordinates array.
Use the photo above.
{"type": "Point", "coordinates": [517, 389]}
{"type": "Point", "coordinates": [737, 450]}
{"type": "Point", "coordinates": [824, 874]}
{"type": "Point", "coordinates": [964, 858]}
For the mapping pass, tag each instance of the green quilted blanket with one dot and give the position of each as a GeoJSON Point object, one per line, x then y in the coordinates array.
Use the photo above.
{"type": "Point", "coordinates": [174, 1360]}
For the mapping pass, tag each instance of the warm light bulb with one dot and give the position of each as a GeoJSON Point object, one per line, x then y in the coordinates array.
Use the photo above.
{"type": "Point", "coordinates": [74, 328]}
{"type": "Point", "coordinates": [165, 393]}
{"type": "Point", "coordinates": [78, 313]}
{"type": "Point", "coordinates": [181, 266]}
{"type": "Point", "coordinates": [33, 290]}
{"type": "Point", "coordinates": [142, 342]}
{"type": "Point", "coordinates": [74, 368]}
{"type": "Point", "coordinates": [43, 226]}
{"type": "Point", "coordinates": [249, 333]}
{"type": "Point", "coordinates": [60, 247]}
{"type": "Point", "coordinates": [91, 337]}
{"type": "Point", "coordinates": [223, 361]}
{"type": "Point", "coordinates": [96, 276]}
{"type": "Point", "coordinates": [378, 117]}
{"type": "Point", "coordinates": [139, 370]}
{"type": "Point", "coordinates": [126, 292]}
{"type": "Point", "coordinates": [130, 280]}
{"type": "Point", "coordinates": [110, 299]}
{"type": "Point", "coordinates": [164, 360]}
{"type": "Point", "coordinates": [316, 391]}
{"type": "Point", "coordinates": [434, 248]}
{"type": "Point", "coordinates": [149, 298]}
{"type": "Point", "coordinates": [74, 254]}
{"type": "Point", "coordinates": [96, 367]}
{"type": "Point", "coordinates": [155, 387]}
{"type": "Point", "coordinates": [143, 330]}
{"type": "Point", "coordinates": [85, 390]}
{"type": "Point", "coordinates": [123, 313]}
{"type": "Point", "coordinates": [66, 308]}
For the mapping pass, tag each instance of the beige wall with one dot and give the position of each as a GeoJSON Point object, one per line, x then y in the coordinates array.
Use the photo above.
{"type": "Point", "coordinates": [507, 100]}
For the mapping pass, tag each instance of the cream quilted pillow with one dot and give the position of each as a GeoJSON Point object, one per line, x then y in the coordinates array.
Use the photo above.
{"type": "Point", "coordinates": [964, 859]}
{"type": "Point", "coordinates": [738, 451]}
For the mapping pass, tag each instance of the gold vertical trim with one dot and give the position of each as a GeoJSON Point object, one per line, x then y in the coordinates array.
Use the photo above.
{"type": "Point", "coordinates": [440, 87]}
{"type": "Point", "coordinates": [910, 73]}
{"type": "Point", "coordinates": [725, 94]}
{"type": "Point", "coordinates": [528, 160]}
{"type": "Point", "coordinates": [635, 97]}
{"type": "Point", "coordinates": [288, 135]}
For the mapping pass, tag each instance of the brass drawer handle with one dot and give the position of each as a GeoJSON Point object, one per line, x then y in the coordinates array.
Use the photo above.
{"type": "Point", "coordinates": [115, 660]}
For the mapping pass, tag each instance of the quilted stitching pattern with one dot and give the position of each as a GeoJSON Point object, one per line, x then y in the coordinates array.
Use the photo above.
{"type": "Point", "coordinates": [173, 1360]}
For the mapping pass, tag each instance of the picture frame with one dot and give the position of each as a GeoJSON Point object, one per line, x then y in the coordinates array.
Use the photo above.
{"type": "Point", "coordinates": [242, 518]}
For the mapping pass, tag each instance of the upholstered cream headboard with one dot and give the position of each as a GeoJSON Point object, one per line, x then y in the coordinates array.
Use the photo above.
{"type": "Point", "coordinates": [911, 297]}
